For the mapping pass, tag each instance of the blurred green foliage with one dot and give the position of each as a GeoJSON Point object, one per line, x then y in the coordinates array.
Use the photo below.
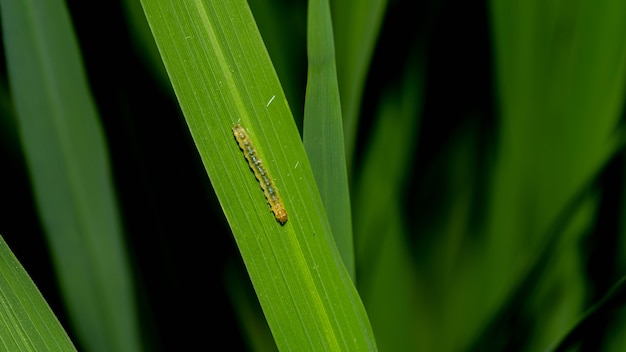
{"type": "Point", "coordinates": [485, 158]}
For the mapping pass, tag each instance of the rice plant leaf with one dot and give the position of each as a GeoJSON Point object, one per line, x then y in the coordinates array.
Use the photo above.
{"type": "Point", "coordinates": [357, 25]}
{"type": "Point", "coordinates": [26, 321]}
{"type": "Point", "coordinates": [68, 162]}
{"type": "Point", "coordinates": [222, 76]}
{"type": "Point", "coordinates": [323, 131]}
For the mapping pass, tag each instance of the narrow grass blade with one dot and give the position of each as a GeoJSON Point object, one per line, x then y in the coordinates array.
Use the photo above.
{"type": "Point", "coordinates": [357, 25]}
{"type": "Point", "coordinates": [323, 131]}
{"type": "Point", "coordinates": [68, 162]}
{"type": "Point", "coordinates": [222, 76]}
{"type": "Point", "coordinates": [26, 321]}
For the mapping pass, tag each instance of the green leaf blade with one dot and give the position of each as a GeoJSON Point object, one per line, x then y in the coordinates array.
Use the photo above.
{"type": "Point", "coordinates": [323, 129]}
{"type": "Point", "coordinates": [357, 25]}
{"type": "Point", "coordinates": [222, 75]}
{"type": "Point", "coordinates": [26, 321]}
{"type": "Point", "coordinates": [68, 162]}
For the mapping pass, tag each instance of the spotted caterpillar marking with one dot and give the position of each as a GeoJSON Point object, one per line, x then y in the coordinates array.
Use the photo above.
{"type": "Point", "coordinates": [267, 184]}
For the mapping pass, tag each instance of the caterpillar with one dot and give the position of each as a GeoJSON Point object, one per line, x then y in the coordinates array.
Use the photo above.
{"type": "Point", "coordinates": [267, 184]}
